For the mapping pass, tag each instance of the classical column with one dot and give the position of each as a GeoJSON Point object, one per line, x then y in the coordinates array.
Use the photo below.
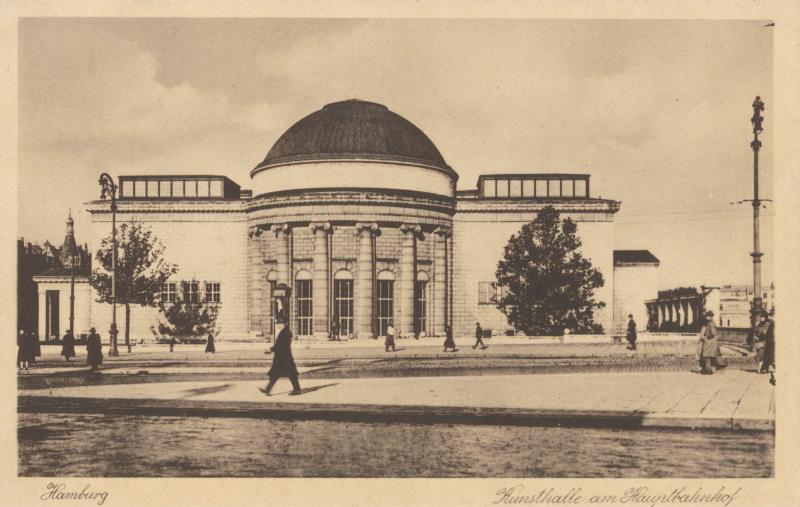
{"type": "Point", "coordinates": [439, 305]}
{"type": "Point", "coordinates": [257, 280]}
{"type": "Point", "coordinates": [407, 279]}
{"type": "Point", "coordinates": [320, 278]}
{"type": "Point", "coordinates": [282, 253]}
{"type": "Point", "coordinates": [42, 315]}
{"type": "Point", "coordinates": [365, 268]}
{"type": "Point", "coordinates": [685, 305]}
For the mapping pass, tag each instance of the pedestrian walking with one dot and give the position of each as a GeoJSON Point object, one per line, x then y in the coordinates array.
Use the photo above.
{"type": "Point", "coordinates": [24, 350]}
{"type": "Point", "coordinates": [479, 337]}
{"type": "Point", "coordinates": [390, 338]}
{"type": "Point", "coordinates": [94, 350]}
{"type": "Point", "coordinates": [283, 363]}
{"type": "Point", "coordinates": [708, 345]}
{"type": "Point", "coordinates": [764, 335]}
{"type": "Point", "coordinates": [335, 328]}
{"type": "Point", "coordinates": [631, 332]}
{"type": "Point", "coordinates": [68, 345]}
{"type": "Point", "coordinates": [210, 344]}
{"type": "Point", "coordinates": [449, 343]}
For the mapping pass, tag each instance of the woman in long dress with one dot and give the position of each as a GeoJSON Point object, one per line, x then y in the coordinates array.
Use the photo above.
{"type": "Point", "coordinates": [24, 351]}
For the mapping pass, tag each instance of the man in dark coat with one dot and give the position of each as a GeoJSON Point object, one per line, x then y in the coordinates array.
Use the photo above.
{"type": "Point", "coordinates": [631, 332]}
{"type": "Point", "coordinates": [283, 363]}
{"type": "Point", "coordinates": [479, 337]}
{"type": "Point", "coordinates": [210, 344]}
{"type": "Point", "coordinates": [94, 349]}
{"type": "Point", "coordinates": [449, 343]}
{"type": "Point", "coordinates": [68, 345]}
{"type": "Point", "coordinates": [765, 332]}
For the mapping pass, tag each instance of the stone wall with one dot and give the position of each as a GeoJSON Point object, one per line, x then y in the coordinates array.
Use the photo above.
{"type": "Point", "coordinates": [207, 241]}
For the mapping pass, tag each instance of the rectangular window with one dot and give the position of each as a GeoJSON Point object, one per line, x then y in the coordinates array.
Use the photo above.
{"type": "Point", "coordinates": [567, 188]}
{"type": "Point", "coordinates": [191, 188]}
{"type": "Point", "coordinates": [305, 315]}
{"type": "Point", "coordinates": [554, 188]}
{"type": "Point", "coordinates": [489, 188]}
{"type": "Point", "coordinates": [177, 189]}
{"type": "Point", "coordinates": [152, 189]}
{"type": "Point", "coordinates": [541, 188]}
{"type": "Point", "coordinates": [486, 293]}
{"type": "Point", "coordinates": [580, 188]}
{"type": "Point", "coordinates": [127, 188]}
{"type": "Point", "coordinates": [515, 189]}
{"type": "Point", "coordinates": [191, 292]}
{"type": "Point", "coordinates": [202, 188]}
{"type": "Point", "coordinates": [385, 305]}
{"type": "Point", "coordinates": [212, 292]}
{"type": "Point", "coordinates": [343, 305]}
{"type": "Point", "coordinates": [502, 188]}
{"type": "Point", "coordinates": [528, 188]}
{"type": "Point", "coordinates": [140, 188]}
{"type": "Point", "coordinates": [169, 292]}
{"type": "Point", "coordinates": [164, 189]}
{"type": "Point", "coordinates": [420, 308]}
{"type": "Point", "coordinates": [216, 188]}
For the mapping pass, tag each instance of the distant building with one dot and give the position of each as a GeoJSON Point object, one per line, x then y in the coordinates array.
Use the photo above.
{"type": "Point", "coordinates": [69, 272]}
{"type": "Point", "coordinates": [735, 302]}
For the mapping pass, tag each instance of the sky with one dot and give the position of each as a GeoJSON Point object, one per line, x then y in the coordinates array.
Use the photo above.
{"type": "Point", "coordinates": [658, 112]}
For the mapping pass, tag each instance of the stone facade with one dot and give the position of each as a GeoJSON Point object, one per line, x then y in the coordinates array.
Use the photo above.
{"type": "Point", "coordinates": [362, 224]}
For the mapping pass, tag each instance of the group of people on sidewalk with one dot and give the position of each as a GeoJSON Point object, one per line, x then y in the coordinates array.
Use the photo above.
{"type": "Point", "coordinates": [29, 349]}
{"type": "Point", "coordinates": [450, 344]}
{"type": "Point", "coordinates": [761, 340]}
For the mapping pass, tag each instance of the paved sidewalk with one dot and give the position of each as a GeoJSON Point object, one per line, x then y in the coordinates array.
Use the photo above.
{"type": "Point", "coordinates": [732, 400]}
{"type": "Point", "coordinates": [370, 349]}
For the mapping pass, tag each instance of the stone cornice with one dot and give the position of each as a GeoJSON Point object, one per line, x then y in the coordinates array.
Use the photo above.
{"type": "Point", "coordinates": [143, 206]}
{"type": "Point", "coordinates": [353, 197]}
{"type": "Point", "coordinates": [564, 205]}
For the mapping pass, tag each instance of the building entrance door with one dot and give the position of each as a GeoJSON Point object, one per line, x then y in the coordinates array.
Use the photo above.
{"type": "Point", "coordinates": [51, 316]}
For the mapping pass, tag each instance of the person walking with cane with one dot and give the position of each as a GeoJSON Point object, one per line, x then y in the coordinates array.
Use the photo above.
{"type": "Point", "coordinates": [283, 364]}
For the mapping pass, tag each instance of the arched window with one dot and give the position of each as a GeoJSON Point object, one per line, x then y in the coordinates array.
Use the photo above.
{"type": "Point", "coordinates": [420, 303]}
{"type": "Point", "coordinates": [304, 296]}
{"type": "Point", "coordinates": [385, 301]}
{"type": "Point", "coordinates": [343, 301]}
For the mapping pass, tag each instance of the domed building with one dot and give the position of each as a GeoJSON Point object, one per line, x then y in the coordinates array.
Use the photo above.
{"type": "Point", "coordinates": [355, 211]}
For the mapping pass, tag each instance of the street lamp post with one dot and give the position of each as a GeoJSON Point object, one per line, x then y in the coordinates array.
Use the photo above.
{"type": "Point", "coordinates": [72, 296]}
{"type": "Point", "coordinates": [109, 188]}
{"type": "Point", "coordinates": [756, 120]}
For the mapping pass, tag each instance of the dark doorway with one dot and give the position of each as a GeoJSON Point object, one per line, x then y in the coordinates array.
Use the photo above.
{"type": "Point", "coordinates": [51, 316]}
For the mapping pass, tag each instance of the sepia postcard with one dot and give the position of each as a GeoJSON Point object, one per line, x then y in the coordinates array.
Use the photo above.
{"type": "Point", "coordinates": [401, 254]}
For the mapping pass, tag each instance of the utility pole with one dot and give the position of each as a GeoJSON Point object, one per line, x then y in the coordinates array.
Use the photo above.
{"type": "Point", "coordinates": [109, 188]}
{"type": "Point", "coordinates": [756, 120]}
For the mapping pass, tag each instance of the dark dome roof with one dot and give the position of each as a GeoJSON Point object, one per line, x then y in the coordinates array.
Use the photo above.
{"type": "Point", "coordinates": [354, 129]}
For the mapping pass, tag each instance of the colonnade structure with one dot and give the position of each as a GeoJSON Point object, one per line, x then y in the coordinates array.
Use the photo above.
{"type": "Point", "coordinates": [364, 275]}
{"type": "Point", "coordinates": [678, 309]}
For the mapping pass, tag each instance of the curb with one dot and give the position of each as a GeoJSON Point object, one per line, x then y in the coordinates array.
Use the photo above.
{"type": "Point", "coordinates": [385, 413]}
